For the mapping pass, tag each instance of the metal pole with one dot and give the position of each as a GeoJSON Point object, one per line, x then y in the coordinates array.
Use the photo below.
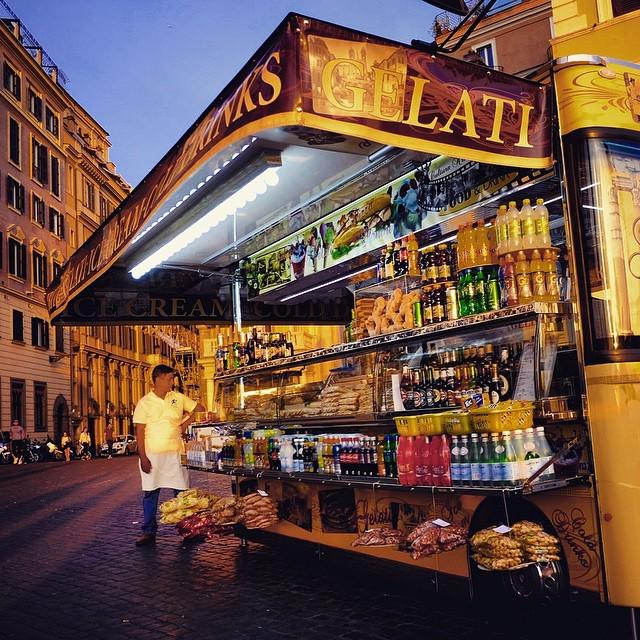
{"type": "Point", "coordinates": [236, 285]}
{"type": "Point", "coordinates": [634, 628]}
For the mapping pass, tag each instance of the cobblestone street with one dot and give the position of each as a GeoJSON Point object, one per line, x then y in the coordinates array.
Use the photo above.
{"type": "Point", "coordinates": [70, 570]}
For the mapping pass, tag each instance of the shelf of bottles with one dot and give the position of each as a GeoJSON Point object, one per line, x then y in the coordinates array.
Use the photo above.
{"type": "Point", "coordinates": [515, 313]}
{"type": "Point", "coordinates": [257, 346]}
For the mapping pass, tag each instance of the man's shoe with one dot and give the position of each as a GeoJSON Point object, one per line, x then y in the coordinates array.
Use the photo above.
{"type": "Point", "coordinates": [145, 539]}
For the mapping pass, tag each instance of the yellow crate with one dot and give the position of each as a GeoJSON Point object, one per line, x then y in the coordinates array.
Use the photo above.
{"type": "Point", "coordinates": [420, 425]}
{"type": "Point", "coordinates": [454, 422]}
{"type": "Point", "coordinates": [507, 416]}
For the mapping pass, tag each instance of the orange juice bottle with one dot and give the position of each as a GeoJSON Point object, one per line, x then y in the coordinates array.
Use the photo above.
{"type": "Point", "coordinates": [538, 277]}
{"type": "Point", "coordinates": [523, 279]}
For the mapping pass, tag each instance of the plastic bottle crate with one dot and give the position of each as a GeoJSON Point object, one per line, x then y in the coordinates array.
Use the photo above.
{"type": "Point", "coordinates": [511, 416]}
{"type": "Point", "coordinates": [420, 425]}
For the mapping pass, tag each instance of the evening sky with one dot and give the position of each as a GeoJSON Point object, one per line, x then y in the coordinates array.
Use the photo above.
{"type": "Point", "coordinates": [146, 69]}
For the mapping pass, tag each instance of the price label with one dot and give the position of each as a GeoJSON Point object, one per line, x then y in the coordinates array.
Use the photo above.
{"type": "Point", "coordinates": [441, 523]}
{"type": "Point", "coordinates": [502, 529]}
{"type": "Point", "coordinates": [468, 403]}
{"type": "Point", "coordinates": [264, 494]}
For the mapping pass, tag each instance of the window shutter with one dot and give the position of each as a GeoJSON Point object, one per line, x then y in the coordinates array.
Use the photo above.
{"type": "Point", "coordinates": [34, 331]}
{"type": "Point", "coordinates": [61, 225]}
{"type": "Point", "coordinates": [45, 275]}
{"type": "Point", "coordinates": [12, 257]}
{"type": "Point", "coordinates": [1, 248]}
{"type": "Point", "coordinates": [34, 270]}
{"type": "Point", "coordinates": [44, 164]}
{"type": "Point", "coordinates": [51, 220]}
{"type": "Point", "coordinates": [21, 198]}
{"type": "Point", "coordinates": [18, 91]}
{"type": "Point", "coordinates": [6, 75]}
{"type": "Point", "coordinates": [45, 326]}
{"type": "Point", "coordinates": [23, 261]}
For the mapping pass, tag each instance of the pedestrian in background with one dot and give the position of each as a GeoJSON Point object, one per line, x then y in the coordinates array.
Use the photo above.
{"type": "Point", "coordinates": [84, 441]}
{"type": "Point", "coordinates": [17, 437]}
{"type": "Point", "coordinates": [108, 434]}
{"type": "Point", "coordinates": [65, 445]}
{"type": "Point", "coordinates": [161, 419]}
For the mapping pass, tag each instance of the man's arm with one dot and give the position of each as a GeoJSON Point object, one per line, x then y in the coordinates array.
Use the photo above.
{"type": "Point", "coordinates": [188, 418]}
{"type": "Point", "coordinates": [145, 463]}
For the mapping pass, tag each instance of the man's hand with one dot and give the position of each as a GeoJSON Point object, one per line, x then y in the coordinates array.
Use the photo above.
{"type": "Point", "coordinates": [145, 464]}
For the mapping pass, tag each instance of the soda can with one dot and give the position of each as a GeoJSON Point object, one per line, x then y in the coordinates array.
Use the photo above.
{"type": "Point", "coordinates": [418, 320]}
{"type": "Point", "coordinates": [453, 310]}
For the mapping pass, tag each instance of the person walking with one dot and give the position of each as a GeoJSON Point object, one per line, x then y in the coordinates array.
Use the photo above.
{"type": "Point", "coordinates": [17, 438]}
{"type": "Point", "coordinates": [161, 419]}
{"type": "Point", "coordinates": [85, 444]}
{"type": "Point", "coordinates": [65, 445]}
{"type": "Point", "coordinates": [108, 435]}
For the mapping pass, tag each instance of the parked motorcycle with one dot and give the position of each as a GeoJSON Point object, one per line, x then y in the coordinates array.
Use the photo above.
{"type": "Point", "coordinates": [5, 453]}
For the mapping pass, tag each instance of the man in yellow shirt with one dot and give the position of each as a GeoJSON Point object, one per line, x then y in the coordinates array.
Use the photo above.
{"type": "Point", "coordinates": [161, 419]}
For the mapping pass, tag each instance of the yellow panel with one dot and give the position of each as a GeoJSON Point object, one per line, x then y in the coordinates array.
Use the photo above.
{"type": "Point", "coordinates": [614, 407]}
{"type": "Point", "coordinates": [592, 95]}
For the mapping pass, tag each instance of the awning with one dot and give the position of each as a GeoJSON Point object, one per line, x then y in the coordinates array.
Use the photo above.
{"type": "Point", "coordinates": [320, 89]}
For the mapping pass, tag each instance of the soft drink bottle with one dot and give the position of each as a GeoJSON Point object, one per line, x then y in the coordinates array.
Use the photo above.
{"type": "Point", "coordinates": [502, 229]}
{"type": "Point", "coordinates": [422, 456]}
{"type": "Point", "coordinates": [515, 229]}
{"type": "Point", "coordinates": [405, 450]}
{"type": "Point", "coordinates": [464, 461]}
{"type": "Point", "coordinates": [475, 460]}
{"type": "Point", "coordinates": [541, 218]}
{"type": "Point", "coordinates": [485, 461]}
{"type": "Point", "coordinates": [456, 477]}
{"type": "Point", "coordinates": [510, 285]}
{"type": "Point", "coordinates": [527, 221]}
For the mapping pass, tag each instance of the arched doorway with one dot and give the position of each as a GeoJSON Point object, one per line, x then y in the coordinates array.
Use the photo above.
{"type": "Point", "coordinates": [60, 418]}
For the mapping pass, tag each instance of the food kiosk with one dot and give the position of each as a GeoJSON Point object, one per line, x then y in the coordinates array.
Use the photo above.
{"type": "Point", "coordinates": [352, 185]}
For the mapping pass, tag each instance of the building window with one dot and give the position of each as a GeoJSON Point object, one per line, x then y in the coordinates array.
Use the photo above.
{"type": "Point", "coordinates": [51, 121]}
{"type": "Point", "coordinates": [37, 209]}
{"type": "Point", "coordinates": [620, 7]}
{"type": "Point", "coordinates": [104, 208]}
{"type": "Point", "coordinates": [39, 270]}
{"type": "Point", "coordinates": [39, 333]}
{"type": "Point", "coordinates": [39, 162]}
{"type": "Point", "coordinates": [59, 339]}
{"type": "Point", "coordinates": [15, 194]}
{"type": "Point", "coordinates": [40, 406]}
{"type": "Point", "coordinates": [14, 141]}
{"type": "Point", "coordinates": [18, 326]}
{"type": "Point", "coordinates": [35, 105]}
{"type": "Point", "coordinates": [17, 400]}
{"type": "Point", "coordinates": [57, 268]}
{"type": "Point", "coordinates": [56, 222]}
{"type": "Point", "coordinates": [11, 81]}
{"type": "Point", "coordinates": [486, 52]}
{"type": "Point", "coordinates": [1, 248]}
{"type": "Point", "coordinates": [17, 259]}
{"type": "Point", "coordinates": [55, 176]}
{"type": "Point", "coordinates": [89, 196]}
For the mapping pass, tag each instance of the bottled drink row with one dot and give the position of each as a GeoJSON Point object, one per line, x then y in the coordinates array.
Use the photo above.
{"type": "Point", "coordinates": [403, 258]}
{"type": "Point", "coordinates": [453, 376]}
{"type": "Point", "coordinates": [331, 454]}
{"type": "Point", "coordinates": [476, 460]}
{"type": "Point", "coordinates": [251, 348]}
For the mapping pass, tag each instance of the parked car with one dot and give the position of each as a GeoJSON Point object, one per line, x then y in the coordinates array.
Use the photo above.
{"type": "Point", "coordinates": [122, 446]}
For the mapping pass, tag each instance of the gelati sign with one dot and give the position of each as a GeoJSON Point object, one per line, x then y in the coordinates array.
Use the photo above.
{"type": "Point", "coordinates": [324, 77]}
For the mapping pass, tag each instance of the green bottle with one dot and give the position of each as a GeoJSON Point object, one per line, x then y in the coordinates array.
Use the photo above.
{"type": "Point", "coordinates": [479, 291]}
{"type": "Point", "coordinates": [498, 461]}
{"type": "Point", "coordinates": [492, 290]}
{"type": "Point", "coordinates": [467, 301]}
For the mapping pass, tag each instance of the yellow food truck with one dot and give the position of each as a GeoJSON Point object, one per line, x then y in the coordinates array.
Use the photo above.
{"type": "Point", "coordinates": [337, 213]}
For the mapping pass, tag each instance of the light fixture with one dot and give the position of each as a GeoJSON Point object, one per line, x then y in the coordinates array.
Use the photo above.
{"type": "Point", "coordinates": [326, 284]}
{"type": "Point", "coordinates": [248, 192]}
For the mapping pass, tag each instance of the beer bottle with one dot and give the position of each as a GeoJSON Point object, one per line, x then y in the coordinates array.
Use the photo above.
{"type": "Point", "coordinates": [479, 291]}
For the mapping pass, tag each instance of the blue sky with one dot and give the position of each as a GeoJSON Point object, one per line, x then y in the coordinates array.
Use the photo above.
{"type": "Point", "coordinates": [145, 69]}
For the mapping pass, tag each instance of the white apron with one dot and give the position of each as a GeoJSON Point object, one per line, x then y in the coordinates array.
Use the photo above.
{"type": "Point", "coordinates": [163, 439]}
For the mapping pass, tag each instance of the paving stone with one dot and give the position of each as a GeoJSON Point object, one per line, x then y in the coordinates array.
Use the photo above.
{"type": "Point", "coordinates": [67, 553]}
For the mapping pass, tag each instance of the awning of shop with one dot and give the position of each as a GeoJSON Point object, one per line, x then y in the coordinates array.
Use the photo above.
{"type": "Point", "coordinates": [299, 127]}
